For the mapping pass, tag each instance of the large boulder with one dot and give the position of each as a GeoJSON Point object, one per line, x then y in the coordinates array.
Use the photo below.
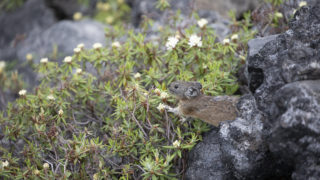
{"type": "Point", "coordinates": [65, 36]}
{"type": "Point", "coordinates": [205, 160]}
{"type": "Point", "coordinates": [34, 16]}
{"type": "Point", "coordinates": [287, 92]}
{"type": "Point", "coordinates": [277, 133]}
{"type": "Point", "coordinates": [295, 131]}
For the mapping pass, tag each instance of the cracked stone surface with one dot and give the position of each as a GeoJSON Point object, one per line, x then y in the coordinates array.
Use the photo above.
{"type": "Point", "coordinates": [277, 132]}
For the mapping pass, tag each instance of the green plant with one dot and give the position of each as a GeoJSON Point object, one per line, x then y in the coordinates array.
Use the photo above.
{"type": "Point", "coordinates": [112, 11]}
{"type": "Point", "coordinates": [99, 115]}
{"type": "Point", "coordinates": [10, 4]}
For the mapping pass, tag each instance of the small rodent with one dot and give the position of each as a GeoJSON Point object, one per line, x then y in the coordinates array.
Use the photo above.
{"type": "Point", "coordinates": [192, 103]}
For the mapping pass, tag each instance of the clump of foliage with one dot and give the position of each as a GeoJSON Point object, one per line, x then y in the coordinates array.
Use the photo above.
{"type": "Point", "coordinates": [273, 16]}
{"type": "Point", "coordinates": [11, 82]}
{"type": "Point", "coordinates": [10, 4]}
{"type": "Point", "coordinates": [100, 114]}
{"type": "Point", "coordinates": [112, 11]}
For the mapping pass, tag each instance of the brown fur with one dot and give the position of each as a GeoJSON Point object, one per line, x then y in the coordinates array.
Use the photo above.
{"type": "Point", "coordinates": [211, 109]}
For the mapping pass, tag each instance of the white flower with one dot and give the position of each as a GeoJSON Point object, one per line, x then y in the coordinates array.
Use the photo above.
{"type": "Point", "coordinates": [5, 164]}
{"type": "Point", "coordinates": [67, 59]}
{"type": "Point", "coordinates": [202, 22]}
{"type": "Point", "coordinates": [177, 35]}
{"type": "Point", "coordinates": [204, 66]}
{"type": "Point", "coordinates": [278, 15]}
{"type": "Point", "coordinates": [176, 144]}
{"type": "Point", "coordinates": [242, 57]}
{"type": "Point", "coordinates": [77, 16]}
{"type": "Point", "coordinates": [51, 97]}
{"type": "Point", "coordinates": [226, 42]}
{"type": "Point", "coordinates": [195, 40]}
{"type": "Point", "coordinates": [234, 37]}
{"type": "Point", "coordinates": [60, 112]}
{"type": "Point", "coordinates": [109, 19]}
{"type": "Point", "coordinates": [36, 172]}
{"type": "Point", "coordinates": [45, 166]}
{"type": "Point", "coordinates": [77, 50]}
{"type": "Point", "coordinates": [81, 46]}
{"type": "Point", "coordinates": [2, 66]}
{"type": "Point", "coordinates": [116, 44]}
{"type": "Point", "coordinates": [137, 75]}
{"type": "Point", "coordinates": [172, 42]}
{"type": "Point", "coordinates": [22, 92]}
{"type": "Point", "coordinates": [157, 91]}
{"type": "Point", "coordinates": [161, 107]}
{"type": "Point", "coordinates": [97, 46]}
{"type": "Point", "coordinates": [303, 3]}
{"type": "Point", "coordinates": [78, 71]}
{"type": "Point", "coordinates": [29, 57]}
{"type": "Point", "coordinates": [103, 6]}
{"type": "Point", "coordinates": [44, 60]}
{"type": "Point", "coordinates": [95, 176]}
{"type": "Point", "coordinates": [164, 95]}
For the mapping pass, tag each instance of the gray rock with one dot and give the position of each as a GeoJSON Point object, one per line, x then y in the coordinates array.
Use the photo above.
{"type": "Point", "coordinates": [255, 45]}
{"type": "Point", "coordinates": [243, 143]}
{"type": "Point", "coordinates": [295, 130]}
{"type": "Point", "coordinates": [65, 35]}
{"type": "Point", "coordinates": [277, 133]}
{"type": "Point", "coordinates": [286, 95]}
{"type": "Point", "coordinates": [33, 16]}
{"type": "Point", "coordinates": [236, 151]}
{"type": "Point", "coordinates": [224, 6]}
{"type": "Point", "coordinates": [293, 56]}
{"type": "Point", "coordinates": [205, 159]}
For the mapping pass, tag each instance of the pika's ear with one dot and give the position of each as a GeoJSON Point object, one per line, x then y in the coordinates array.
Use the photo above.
{"type": "Point", "coordinates": [197, 85]}
{"type": "Point", "coordinates": [192, 92]}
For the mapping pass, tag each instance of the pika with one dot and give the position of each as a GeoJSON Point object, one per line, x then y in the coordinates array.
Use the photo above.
{"type": "Point", "coordinates": [192, 103]}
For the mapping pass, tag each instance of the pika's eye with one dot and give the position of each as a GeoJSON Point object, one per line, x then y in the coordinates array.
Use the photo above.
{"type": "Point", "coordinates": [176, 86]}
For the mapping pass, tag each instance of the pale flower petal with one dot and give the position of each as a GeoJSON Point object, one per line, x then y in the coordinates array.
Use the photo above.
{"type": "Point", "coordinates": [303, 3]}
{"type": "Point", "coordinates": [22, 92]}
{"type": "Point", "coordinates": [67, 59]}
{"type": "Point", "coordinates": [202, 22]}
{"type": "Point", "coordinates": [195, 40]}
{"type": "Point", "coordinates": [97, 46]}
{"type": "Point", "coordinates": [176, 144]}
{"type": "Point", "coordinates": [116, 44]}
{"type": "Point", "coordinates": [172, 42]}
{"type": "Point", "coordinates": [44, 60]}
{"type": "Point", "coordinates": [161, 107]}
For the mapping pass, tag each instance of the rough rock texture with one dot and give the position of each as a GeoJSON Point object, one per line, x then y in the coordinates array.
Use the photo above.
{"type": "Point", "coordinates": [242, 145]}
{"type": "Point", "coordinates": [33, 16]}
{"type": "Point", "coordinates": [65, 35]}
{"type": "Point", "coordinates": [224, 6]}
{"type": "Point", "coordinates": [293, 56]}
{"type": "Point", "coordinates": [277, 133]}
{"type": "Point", "coordinates": [295, 136]}
{"type": "Point", "coordinates": [208, 149]}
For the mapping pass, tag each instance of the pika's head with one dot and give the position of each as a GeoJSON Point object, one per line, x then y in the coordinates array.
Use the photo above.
{"type": "Point", "coordinates": [185, 90]}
